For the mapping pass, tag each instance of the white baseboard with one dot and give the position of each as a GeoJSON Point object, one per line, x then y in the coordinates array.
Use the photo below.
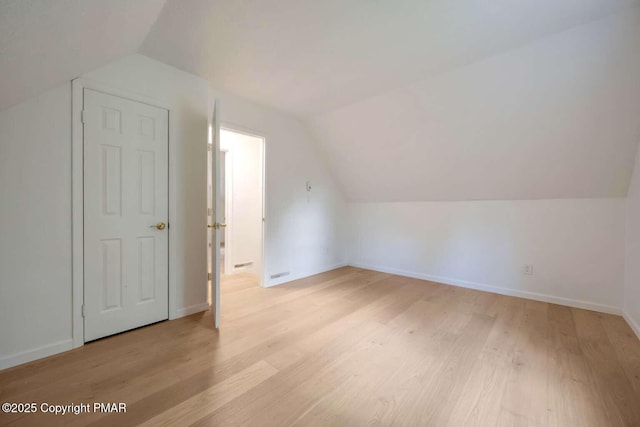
{"type": "Point", "coordinates": [36, 353]}
{"type": "Point", "coordinates": [287, 279]}
{"type": "Point", "coordinates": [65, 345]}
{"type": "Point", "coordinates": [603, 308]}
{"type": "Point", "coordinates": [196, 308]}
{"type": "Point", "coordinates": [632, 323]}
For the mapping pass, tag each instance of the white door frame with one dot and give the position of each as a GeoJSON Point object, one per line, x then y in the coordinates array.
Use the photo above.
{"type": "Point", "coordinates": [228, 185]}
{"type": "Point", "coordinates": [77, 200]}
{"type": "Point", "coordinates": [250, 132]}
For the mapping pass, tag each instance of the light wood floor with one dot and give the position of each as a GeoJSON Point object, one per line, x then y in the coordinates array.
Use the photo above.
{"type": "Point", "coordinates": [351, 347]}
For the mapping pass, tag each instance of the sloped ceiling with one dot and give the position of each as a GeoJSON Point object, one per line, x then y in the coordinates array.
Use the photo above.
{"type": "Point", "coordinates": [434, 100]}
{"type": "Point", "coordinates": [557, 118]}
{"type": "Point", "coordinates": [409, 99]}
{"type": "Point", "coordinates": [44, 43]}
{"type": "Point", "coordinates": [309, 57]}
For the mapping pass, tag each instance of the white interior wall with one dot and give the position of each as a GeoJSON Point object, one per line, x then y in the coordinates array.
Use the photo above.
{"type": "Point", "coordinates": [35, 230]}
{"type": "Point", "coordinates": [576, 246]}
{"type": "Point", "coordinates": [244, 179]}
{"type": "Point", "coordinates": [304, 235]}
{"type": "Point", "coordinates": [35, 189]}
{"type": "Point", "coordinates": [632, 273]}
{"type": "Point", "coordinates": [304, 231]}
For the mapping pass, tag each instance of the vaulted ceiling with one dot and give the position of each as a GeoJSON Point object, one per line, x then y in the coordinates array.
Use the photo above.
{"type": "Point", "coordinates": [46, 42]}
{"type": "Point", "coordinates": [557, 118]}
{"type": "Point", "coordinates": [409, 99]}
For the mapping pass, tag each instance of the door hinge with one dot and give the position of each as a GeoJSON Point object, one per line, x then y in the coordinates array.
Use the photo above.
{"type": "Point", "coordinates": [82, 116]}
{"type": "Point", "coordinates": [209, 276]}
{"type": "Point", "coordinates": [83, 312]}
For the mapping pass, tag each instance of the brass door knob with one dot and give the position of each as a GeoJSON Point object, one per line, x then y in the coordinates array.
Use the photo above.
{"type": "Point", "coordinates": [217, 225]}
{"type": "Point", "coordinates": [159, 226]}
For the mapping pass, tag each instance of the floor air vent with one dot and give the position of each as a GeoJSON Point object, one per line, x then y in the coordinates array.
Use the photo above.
{"type": "Point", "coordinates": [275, 276]}
{"type": "Point", "coordinates": [244, 264]}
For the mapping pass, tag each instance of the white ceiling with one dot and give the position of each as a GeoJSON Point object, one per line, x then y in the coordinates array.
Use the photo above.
{"type": "Point", "coordinates": [410, 99]}
{"type": "Point", "coordinates": [308, 56]}
{"type": "Point", "coordinates": [558, 118]}
{"type": "Point", "coordinates": [46, 42]}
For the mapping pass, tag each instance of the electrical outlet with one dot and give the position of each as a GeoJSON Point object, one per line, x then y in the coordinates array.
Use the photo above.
{"type": "Point", "coordinates": [527, 269]}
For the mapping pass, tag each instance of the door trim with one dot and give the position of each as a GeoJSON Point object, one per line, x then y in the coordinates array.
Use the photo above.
{"type": "Point", "coordinates": [227, 210]}
{"type": "Point", "coordinates": [256, 134]}
{"type": "Point", "coordinates": [77, 200]}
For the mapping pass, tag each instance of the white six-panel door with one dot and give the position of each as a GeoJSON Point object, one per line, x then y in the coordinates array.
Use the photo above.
{"type": "Point", "coordinates": [126, 239]}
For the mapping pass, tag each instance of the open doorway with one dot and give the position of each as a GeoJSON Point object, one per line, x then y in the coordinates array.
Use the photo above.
{"type": "Point", "coordinates": [242, 199]}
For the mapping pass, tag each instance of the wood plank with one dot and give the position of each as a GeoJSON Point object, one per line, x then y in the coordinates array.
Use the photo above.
{"type": "Point", "coordinates": [626, 345]}
{"type": "Point", "coordinates": [573, 396]}
{"type": "Point", "coordinates": [524, 395]}
{"type": "Point", "coordinates": [213, 398]}
{"type": "Point", "coordinates": [350, 347]}
{"type": "Point", "coordinates": [620, 399]}
{"type": "Point", "coordinates": [478, 405]}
